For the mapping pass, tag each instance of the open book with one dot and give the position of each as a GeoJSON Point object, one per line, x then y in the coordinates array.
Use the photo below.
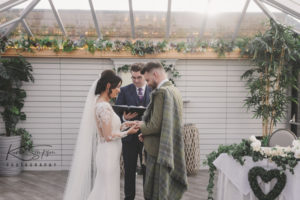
{"type": "Point", "coordinates": [119, 109]}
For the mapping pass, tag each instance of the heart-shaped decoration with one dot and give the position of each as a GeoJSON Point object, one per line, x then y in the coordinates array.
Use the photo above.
{"type": "Point", "coordinates": [266, 176]}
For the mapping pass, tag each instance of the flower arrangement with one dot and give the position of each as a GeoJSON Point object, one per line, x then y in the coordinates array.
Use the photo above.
{"type": "Point", "coordinates": [284, 157]}
{"type": "Point", "coordinates": [277, 150]}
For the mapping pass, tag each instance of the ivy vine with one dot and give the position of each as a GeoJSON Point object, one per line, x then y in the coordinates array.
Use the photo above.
{"type": "Point", "coordinates": [168, 68]}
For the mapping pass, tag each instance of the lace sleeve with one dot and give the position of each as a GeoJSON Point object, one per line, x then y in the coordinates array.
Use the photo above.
{"type": "Point", "coordinates": [104, 114]}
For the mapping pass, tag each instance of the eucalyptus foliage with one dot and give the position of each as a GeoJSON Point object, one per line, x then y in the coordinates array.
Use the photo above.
{"type": "Point", "coordinates": [275, 56]}
{"type": "Point", "coordinates": [168, 68]}
{"type": "Point", "coordinates": [138, 47]}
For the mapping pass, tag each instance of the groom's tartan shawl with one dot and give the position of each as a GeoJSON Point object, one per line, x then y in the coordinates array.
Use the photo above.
{"type": "Point", "coordinates": [171, 159]}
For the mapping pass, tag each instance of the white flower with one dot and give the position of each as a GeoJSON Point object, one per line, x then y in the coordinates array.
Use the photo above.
{"type": "Point", "coordinates": [256, 145]}
{"type": "Point", "coordinates": [287, 149]}
{"type": "Point", "coordinates": [276, 152]}
{"type": "Point", "coordinates": [253, 138]}
{"type": "Point", "coordinates": [296, 144]}
{"type": "Point", "coordinates": [266, 150]}
{"type": "Point", "coordinates": [297, 154]}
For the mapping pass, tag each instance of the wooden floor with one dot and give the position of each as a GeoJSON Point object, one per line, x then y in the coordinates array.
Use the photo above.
{"type": "Point", "coordinates": [41, 185]}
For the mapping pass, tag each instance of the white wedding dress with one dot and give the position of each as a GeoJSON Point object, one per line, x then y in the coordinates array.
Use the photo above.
{"type": "Point", "coordinates": [107, 181]}
{"type": "Point", "coordinates": [95, 169]}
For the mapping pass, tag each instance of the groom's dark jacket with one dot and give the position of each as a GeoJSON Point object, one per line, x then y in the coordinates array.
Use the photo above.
{"type": "Point", "coordinates": [128, 96]}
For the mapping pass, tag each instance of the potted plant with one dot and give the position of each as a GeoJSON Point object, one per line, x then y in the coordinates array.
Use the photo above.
{"type": "Point", "coordinates": [275, 56]}
{"type": "Point", "coordinates": [13, 72]}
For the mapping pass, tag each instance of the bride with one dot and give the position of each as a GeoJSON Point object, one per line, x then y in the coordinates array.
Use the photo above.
{"type": "Point", "coordinates": [95, 171]}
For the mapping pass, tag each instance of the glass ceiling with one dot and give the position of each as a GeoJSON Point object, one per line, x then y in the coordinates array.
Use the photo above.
{"type": "Point", "coordinates": [144, 19]}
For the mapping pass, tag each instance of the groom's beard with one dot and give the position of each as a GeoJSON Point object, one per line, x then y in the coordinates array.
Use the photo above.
{"type": "Point", "coordinates": [153, 85]}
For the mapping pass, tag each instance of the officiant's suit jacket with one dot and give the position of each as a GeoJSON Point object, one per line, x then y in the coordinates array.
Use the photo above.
{"type": "Point", "coordinates": [128, 96]}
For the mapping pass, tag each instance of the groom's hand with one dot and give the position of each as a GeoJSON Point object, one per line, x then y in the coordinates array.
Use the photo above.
{"type": "Point", "coordinates": [139, 123]}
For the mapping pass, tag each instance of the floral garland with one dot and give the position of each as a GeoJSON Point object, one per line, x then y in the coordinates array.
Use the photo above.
{"type": "Point", "coordinates": [284, 158]}
{"type": "Point", "coordinates": [168, 68]}
{"type": "Point", "coordinates": [138, 47]}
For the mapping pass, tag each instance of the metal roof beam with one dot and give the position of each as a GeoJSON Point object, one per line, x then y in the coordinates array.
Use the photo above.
{"type": "Point", "coordinates": [6, 3]}
{"type": "Point", "coordinates": [204, 21]}
{"type": "Point", "coordinates": [168, 19]}
{"type": "Point", "coordinates": [95, 19]}
{"type": "Point", "coordinates": [9, 22]}
{"type": "Point", "coordinates": [131, 18]}
{"type": "Point", "coordinates": [4, 8]}
{"type": "Point", "coordinates": [22, 16]}
{"type": "Point", "coordinates": [25, 25]}
{"type": "Point", "coordinates": [284, 8]}
{"type": "Point", "coordinates": [269, 14]}
{"type": "Point", "coordinates": [240, 20]}
{"type": "Point", "coordinates": [265, 10]}
{"type": "Point", "coordinates": [58, 19]}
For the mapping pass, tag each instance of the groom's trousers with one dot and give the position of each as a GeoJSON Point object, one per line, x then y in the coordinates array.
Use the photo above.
{"type": "Point", "coordinates": [131, 150]}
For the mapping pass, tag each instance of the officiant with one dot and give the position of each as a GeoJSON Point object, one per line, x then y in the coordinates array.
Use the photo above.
{"type": "Point", "coordinates": [135, 94]}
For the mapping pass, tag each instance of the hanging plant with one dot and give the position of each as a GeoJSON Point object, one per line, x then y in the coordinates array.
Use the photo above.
{"type": "Point", "coordinates": [141, 48]}
{"type": "Point", "coordinates": [124, 68]}
{"type": "Point", "coordinates": [3, 44]}
{"type": "Point", "coordinates": [91, 46]}
{"type": "Point", "coordinates": [172, 70]}
{"type": "Point", "coordinates": [81, 42]}
{"type": "Point", "coordinates": [69, 46]}
{"type": "Point", "coordinates": [117, 46]}
{"type": "Point", "coordinates": [26, 44]}
{"type": "Point", "coordinates": [161, 47]}
{"type": "Point", "coordinates": [180, 47]}
{"type": "Point", "coordinates": [46, 42]}
{"type": "Point", "coordinates": [221, 47]}
{"type": "Point", "coordinates": [275, 57]}
{"type": "Point", "coordinates": [55, 46]}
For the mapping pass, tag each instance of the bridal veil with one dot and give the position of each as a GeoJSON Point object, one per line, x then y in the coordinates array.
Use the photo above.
{"type": "Point", "coordinates": [82, 171]}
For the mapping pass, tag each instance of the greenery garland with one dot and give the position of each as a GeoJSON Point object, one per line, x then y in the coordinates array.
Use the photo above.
{"type": "Point", "coordinates": [238, 152]}
{"type": "Point", "coordinates": [168, 68]}
{"type": "Point", "coordinates": [138, 47]}
{"type": "Point", "coordinates": [266, 176]}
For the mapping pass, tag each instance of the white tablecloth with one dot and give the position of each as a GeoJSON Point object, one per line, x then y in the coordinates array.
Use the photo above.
{"type": "Point", "coordinates": [233, 179]}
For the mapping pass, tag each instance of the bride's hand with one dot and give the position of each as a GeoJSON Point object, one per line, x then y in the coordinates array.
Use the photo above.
{"type": "Point", "coordinates": [130, 123]}
{"type": "Point", "coordinates": [133, 129]}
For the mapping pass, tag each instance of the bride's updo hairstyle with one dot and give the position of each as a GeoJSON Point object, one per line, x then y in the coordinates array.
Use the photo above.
{"type": "Point", "coordinates": [107, 76]}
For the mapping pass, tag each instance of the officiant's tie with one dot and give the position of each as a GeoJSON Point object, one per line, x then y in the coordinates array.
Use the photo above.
{"type": "Point", "coordinates": [140, 93]}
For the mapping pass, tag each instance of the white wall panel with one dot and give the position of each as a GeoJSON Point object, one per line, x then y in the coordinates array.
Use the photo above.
{"type": "Point", "coordinates": [55, 102]}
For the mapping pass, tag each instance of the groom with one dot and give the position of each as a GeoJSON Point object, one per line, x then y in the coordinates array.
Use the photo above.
{"type": "Point", "coordinates": [135, 94]}
{"type": "Point", "coordinates": [166, 176]}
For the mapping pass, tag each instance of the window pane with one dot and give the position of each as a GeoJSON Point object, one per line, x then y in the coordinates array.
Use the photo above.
{"type": "Point", "coordinates": [253, 22]}
{"type": "Point", "coordinates": [284, 18]}
{"type": "Point", "coordinates": [189, 5]}
{"type": "Point", "coordinates": [153, 5]}
{"type": "Point", "coordinates": [113, 18]}
{"type": "Point", "coordinates": [150, 18]}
